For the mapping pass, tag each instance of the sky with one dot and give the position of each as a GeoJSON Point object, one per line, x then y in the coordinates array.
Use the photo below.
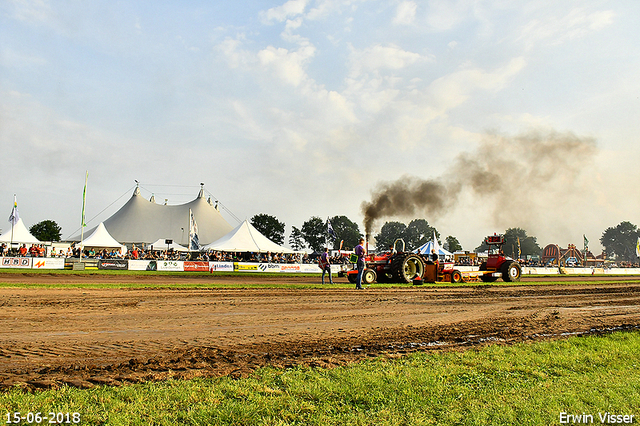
{"type": "Point", "coordinates": [306, 108]}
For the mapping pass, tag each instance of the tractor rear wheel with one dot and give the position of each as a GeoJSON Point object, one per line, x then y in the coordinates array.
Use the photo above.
{"type": "Point", "coordinates": [406, 266]}
{"type": "Point", "coordinates": [511, 272]}
{"type": "Point", "coordinates": [369, 276]}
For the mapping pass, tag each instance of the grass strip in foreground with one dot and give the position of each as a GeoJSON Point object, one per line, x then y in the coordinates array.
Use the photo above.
{"type": "Point", "coordinates": [526, 384]}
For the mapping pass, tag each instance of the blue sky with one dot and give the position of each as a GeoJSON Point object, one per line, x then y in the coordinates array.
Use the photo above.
{"type": "Point", "coordinates": [301, 108]}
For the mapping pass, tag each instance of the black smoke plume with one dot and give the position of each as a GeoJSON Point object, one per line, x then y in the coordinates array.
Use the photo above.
{"type": "Point", "coordinates": [513, 176]}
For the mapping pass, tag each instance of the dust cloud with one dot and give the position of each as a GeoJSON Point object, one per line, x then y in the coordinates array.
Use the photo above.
{"type": "Point", "coordinates": [516, 177]}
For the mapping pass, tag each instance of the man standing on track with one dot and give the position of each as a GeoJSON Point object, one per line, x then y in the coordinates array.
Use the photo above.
{"type": "Point", "coordinates": [360, 251]}
{"type": "Point", "coordinates": [325, 265]}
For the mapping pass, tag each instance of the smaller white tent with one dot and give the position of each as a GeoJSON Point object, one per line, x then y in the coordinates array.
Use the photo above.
{"type": "Point", "coordinates": [246, 238]}
{"type": "Point", "coordinates": [102, 239]}
{"type": "Point", "coordinates": [19, 235]}
{"type": "Point", "coordinates": [161, 245]}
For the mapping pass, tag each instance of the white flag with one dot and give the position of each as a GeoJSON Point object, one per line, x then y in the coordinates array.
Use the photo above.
{"type": "Point", "coordinates": [14, 217]}
{"type": "Point", "coordinates": [436, 247]}
{"type": "Point", "coordinates": [194, 242]}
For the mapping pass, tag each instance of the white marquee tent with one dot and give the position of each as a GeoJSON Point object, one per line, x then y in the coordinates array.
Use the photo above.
{"type": "Point", "coordinates": [100, 238]}
{"type": "Point", "coordinates": [19, 234]}
{"type": "Point", "coordinates": [246, 238]}
{"type": "Point", "coordinates": [144, 221]}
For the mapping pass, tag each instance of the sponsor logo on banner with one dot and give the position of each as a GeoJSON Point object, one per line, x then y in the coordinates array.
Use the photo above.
{"type": "Point", "coordinates": [245, 267]}
{"type": "Point", "coordinates": [196, 266]}
{"type": "Point", "coordinates": [48, 263]}
{"type": "Point", "coordinates": [221, 266]}
{"type": "Point", "coordinates": [16, 262]}
{"type": "Point", "coordinates": [291, 268]}
{"type": "Point", "coordinates": [269, 267]}
{"type": "Point", "coordinates": [170, 265]}
{"type": "Point", "coordinates": [113, 264]}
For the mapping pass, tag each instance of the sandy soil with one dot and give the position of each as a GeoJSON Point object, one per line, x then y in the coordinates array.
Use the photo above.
{"type": "Point", "coordinates": [84, 337]}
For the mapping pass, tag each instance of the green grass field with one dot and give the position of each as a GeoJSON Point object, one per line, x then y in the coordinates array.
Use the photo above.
{"type": "Point", "coordinates": [208, 280]}
{"type": "Point", "coordinates": [524, 384]}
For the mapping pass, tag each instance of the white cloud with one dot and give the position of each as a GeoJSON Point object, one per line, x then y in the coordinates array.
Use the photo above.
{"type": "Point", "coordinates": [560, 29]}
{"type": "Point", "coordinates": [452, 90]}
{"type": "Point", "coordinates": [405, 13]}
{"type": "Point", "coordinates": [33, 11]}
{"type": "Point", "coordinates": [290, 9]}
{"type": "Point", "coordinates": [378, 58]}
{"type": "Point", "coordinates": [287, 65]}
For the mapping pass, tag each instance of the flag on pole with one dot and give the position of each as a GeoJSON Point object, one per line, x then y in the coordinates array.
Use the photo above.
{"type": "Point", "coordinates": [331, 231]}
{"type": "Point", "coordinates": [638, 247]}
{"type": "Point", "coordinates": [14, 217]}
{"type": "Point", "coordinates": [194, 242]}
{"type": "Point", "coordinates": [586, 242]}
{"type": "Point", "coordinates": [84, 197]}
{"type": "Point", "coordinates": [519, 249]}
{"type": "Point", "coordinates": [436, 247]}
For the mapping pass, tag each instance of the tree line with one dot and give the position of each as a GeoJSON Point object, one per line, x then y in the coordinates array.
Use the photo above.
{"type": "Point", "coordinates": [619, 241]}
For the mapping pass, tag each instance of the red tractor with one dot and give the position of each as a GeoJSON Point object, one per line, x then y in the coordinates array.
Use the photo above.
{"type": "Point", "coordinates": [390, 266]}
{"type": "Point", "coordinates": [404, 267]}
{"type": "Point", "coordinates": [497, 262]}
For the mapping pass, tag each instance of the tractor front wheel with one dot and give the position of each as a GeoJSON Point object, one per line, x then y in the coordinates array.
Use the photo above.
{"type": "Point", "coordinates": [456, 276]}
{"type": "Point", "coordinates": [511, 272]}
{"type": "Point", "coordinates": [369, 276]}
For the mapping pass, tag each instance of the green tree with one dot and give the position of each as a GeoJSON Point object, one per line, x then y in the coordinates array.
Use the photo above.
{"type": "Point", "coordinates": [419, 232]}
{"type": "Point", "coordinates": [389, 232]}
{"type": "Point", "coordinates": [621, 241]}
{"type": "Point", "coordinates": [345, 230]}
{"type": "Point", "coordinates": [296, 239]}
{"type": "Point", "coordinates": [452, 244]}
{"type": "Point", "coordinates": [270, 227]}
{"type": "Point", "coordinates": [314, 232]}
{"type": "Point", "coordinates": [47, 230]}
{"type": "Point", "coordinates": [528, 244]}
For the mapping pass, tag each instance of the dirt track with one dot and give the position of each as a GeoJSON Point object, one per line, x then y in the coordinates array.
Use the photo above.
{"type": "Point", "coordinates": [84, 337]}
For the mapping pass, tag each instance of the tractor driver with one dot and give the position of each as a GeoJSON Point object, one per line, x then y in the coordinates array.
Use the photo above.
{"type": "Point", "coordinates": [433, 257]}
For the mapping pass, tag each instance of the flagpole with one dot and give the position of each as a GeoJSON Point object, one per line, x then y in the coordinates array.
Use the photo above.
{"type": "Point", "coordinates": [84, 203]}
{"type": "Point", "coordinates": [13, 221]}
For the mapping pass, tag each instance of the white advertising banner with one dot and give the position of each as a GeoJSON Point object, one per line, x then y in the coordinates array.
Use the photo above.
{"type": "Point", "coordinates": [141, 265]}
{"type": "Point", "coordinates": [170, 265]}
{"type": "Point", "coordinates": [269, 267]}
{"type": "Point", "coordinates": [220, 266]}
{"type": "Point", "coordinates": [48, 263]}
{"type": "Point", "coordinates": [15, 262]}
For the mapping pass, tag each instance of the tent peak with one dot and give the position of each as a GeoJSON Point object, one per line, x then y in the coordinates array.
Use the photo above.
{"type": "Point", "coordinates": [201, 193]}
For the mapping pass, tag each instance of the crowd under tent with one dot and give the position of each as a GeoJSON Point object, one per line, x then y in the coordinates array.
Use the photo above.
{"type": "Point", "coordinates": [18, 234]}
{"type": "Point", "coordinates": [144, 221]}
{"type": "Point", "coordinates": [161, 245]}
{"type": "Point", "coordinates": [246, 238]}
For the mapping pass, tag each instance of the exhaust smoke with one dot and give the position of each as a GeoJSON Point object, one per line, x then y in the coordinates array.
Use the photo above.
{"type": "Point", "coordinates": [516, 177]}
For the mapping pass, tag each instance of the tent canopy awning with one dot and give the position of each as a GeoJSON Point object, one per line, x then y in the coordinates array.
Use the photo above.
{"type": "Point", "coordinates": [100, 238]}
{"type": "Point", "coordinates": [246, 238]}
{"type": "Point", "coordinates": [144, 221]}
{"type": "Point", "coordinates": [18, 233]}
{"type": "Point", "coordinates": [426, 249]}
